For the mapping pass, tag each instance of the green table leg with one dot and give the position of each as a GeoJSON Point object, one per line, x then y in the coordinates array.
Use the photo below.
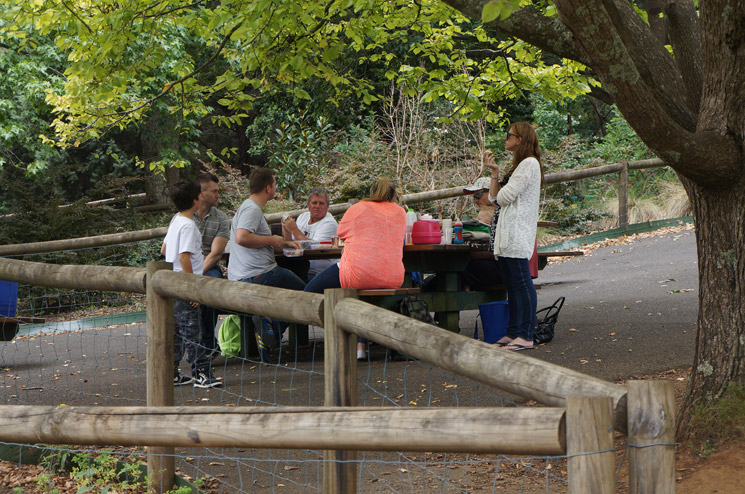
{"type": "Point", "coordinates": [448, 282]}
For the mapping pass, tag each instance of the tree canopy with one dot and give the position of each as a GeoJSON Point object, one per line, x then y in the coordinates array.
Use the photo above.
{"type": "Point", "coordinates": [124, 57]}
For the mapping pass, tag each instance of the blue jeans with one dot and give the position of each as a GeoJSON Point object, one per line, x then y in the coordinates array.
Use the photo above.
{"type": "Point", "coordinates": [522, 299]}
{"type": "Point", "coordinates": [280, 278]}
{"type": "Point", "coordinates": [328, 278]}
{"type": "Point", "coordinates": [208, 319]}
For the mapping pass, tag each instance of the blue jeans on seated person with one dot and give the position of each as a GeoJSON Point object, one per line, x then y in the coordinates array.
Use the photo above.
{"type": "Point", "coordinates": [208, 319]}
{"type": "Point", "coordinates": [328, 278]}
{"type": "Point", "coordinates": [522, 299]}
{"type": "Point", "coordinates": [280, 278]}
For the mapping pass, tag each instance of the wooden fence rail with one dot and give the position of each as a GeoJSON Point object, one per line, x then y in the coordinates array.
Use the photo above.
{"type": "Point", "coordinates": [524, 376]}
{"type": "Point", "coordinates": [416, 198]}
{"type": "Point", "coordinates": [79, 277]}
{"type": "Point", "coordinates": [534, 431]}
{"type": "Point", "coordinates": [278, 303]}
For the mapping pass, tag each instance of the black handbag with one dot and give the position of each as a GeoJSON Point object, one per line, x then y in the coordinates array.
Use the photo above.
{"type": "Point", "coordinates": [544, 329]}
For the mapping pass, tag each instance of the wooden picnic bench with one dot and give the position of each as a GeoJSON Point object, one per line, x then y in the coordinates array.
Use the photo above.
{"type": "Point", "coordinates": [542, 256]}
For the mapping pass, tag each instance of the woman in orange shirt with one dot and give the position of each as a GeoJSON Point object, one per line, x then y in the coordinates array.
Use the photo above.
{"type": "Point", "coordinates": [373, 231]}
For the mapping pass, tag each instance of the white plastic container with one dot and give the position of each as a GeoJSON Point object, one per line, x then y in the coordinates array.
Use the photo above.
{"type": "Point", "coordinates": [447, 231]}
{"type": "Point", "coordinates": [411, 218]}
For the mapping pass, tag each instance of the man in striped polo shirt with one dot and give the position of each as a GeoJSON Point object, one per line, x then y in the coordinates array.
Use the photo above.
{"type": "Point", "coordinates": [214, 226]}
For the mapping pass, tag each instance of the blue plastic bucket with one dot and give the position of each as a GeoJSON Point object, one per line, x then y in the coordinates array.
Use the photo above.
{"type": "Point", "coordinates": [495, 317]}
{"type": "Point", "coordinates": [8, 298]}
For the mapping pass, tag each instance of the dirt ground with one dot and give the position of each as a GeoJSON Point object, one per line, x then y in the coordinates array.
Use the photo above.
{"type": "Point", "coordinates": [721, 472]}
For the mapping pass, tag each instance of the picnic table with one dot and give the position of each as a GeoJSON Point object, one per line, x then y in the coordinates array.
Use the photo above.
{"type": "Point", "coordinates": [444, 260]}
{"type": "Point", "coordinates": [447, 299]}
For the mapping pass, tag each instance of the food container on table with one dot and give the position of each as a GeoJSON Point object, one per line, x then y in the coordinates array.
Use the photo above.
{"type": "Point", "coordinates": [425, 232]}
{"type": "Point", "coordinates": [292, 252]}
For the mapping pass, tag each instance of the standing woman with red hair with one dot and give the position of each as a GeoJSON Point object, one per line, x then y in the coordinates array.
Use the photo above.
{"type": "Point", "coordinates": [514, 238]}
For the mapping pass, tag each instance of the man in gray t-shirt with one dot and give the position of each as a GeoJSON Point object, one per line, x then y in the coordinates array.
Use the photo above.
{"type": "Point", "coordinates": [252, 248]}
{"type": "Point", "coordinates": [247, 262]}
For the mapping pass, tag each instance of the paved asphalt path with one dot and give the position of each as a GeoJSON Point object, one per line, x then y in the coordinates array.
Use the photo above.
{"type": "Point", "coordinates": [630, 309]}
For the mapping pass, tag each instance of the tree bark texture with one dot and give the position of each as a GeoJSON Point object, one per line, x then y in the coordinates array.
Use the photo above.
{"type": "Point", "coordinates": [719, 215]}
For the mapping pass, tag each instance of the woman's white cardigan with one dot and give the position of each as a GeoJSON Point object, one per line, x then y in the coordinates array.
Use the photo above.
{"type": "Point", "coordinates": [518, 218]}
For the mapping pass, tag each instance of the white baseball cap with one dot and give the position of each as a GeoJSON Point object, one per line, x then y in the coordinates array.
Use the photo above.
{"type": "Point", "coordinates": [482, 183]}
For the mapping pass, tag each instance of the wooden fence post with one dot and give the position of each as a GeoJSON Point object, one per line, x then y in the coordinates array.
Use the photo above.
{"type": "Point", "coordinates": [623, 196]}
{"type": "Point", "coordinates": [591, 463]}
{"type": "Point", "coordinates": [161, 464]}
{"type": "Point", "coordinates": [651, 440]}
{"type": "Point", "coordinates": [340, 389]}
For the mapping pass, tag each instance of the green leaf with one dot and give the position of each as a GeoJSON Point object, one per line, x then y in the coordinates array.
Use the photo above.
{"type": "Point", "coordinates": [490, 11]}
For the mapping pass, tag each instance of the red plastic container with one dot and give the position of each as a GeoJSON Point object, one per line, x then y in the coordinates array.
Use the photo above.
{"type": "Point", "coordinates": [426, 232]}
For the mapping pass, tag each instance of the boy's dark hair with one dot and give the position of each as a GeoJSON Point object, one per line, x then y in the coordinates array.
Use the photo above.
{"type": "Point", "coordinates": [206, 177]}
{"type": "Point", "coordinates": [184, 193]}
{"type": "Point", "coordinates": [259, 179]}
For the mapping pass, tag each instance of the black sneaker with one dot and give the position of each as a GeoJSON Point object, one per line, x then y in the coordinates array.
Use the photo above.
{"type": "Point", "coordinates": [206, 380]}
{"type": "Point", "coordinates": [179, 379]}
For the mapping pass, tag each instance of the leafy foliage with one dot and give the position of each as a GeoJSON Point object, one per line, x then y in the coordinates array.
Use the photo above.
{"type": "Point", "coordinates": [621, 143]}
{"type": "Point", "coordinates": [124, 57]}
{"type": "Point", "coordinates": [300, 152]}
{"type": "Point", "coordinates": [24, 113]}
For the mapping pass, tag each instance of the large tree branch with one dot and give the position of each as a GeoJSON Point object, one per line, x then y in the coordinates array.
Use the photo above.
{"type": "Point", "coordinates": [641, 105]}
{"type": "Point", "coordinates": [654, 63]}
{"type": "Point", "coordinates": [645, 83]}
{"type": "Point", "coordinates": [723, 48]}
{"type": "Point", "coordinates": [685, 38]}
{"type": "Point", "coordinates": [529, 25]}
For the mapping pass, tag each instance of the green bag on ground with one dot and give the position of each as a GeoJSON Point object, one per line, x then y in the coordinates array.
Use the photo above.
{"type": "Point", "coordinates": [229, 336]}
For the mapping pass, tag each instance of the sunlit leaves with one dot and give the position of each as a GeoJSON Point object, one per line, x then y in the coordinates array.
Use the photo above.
{"type": "Point", "coordinates": [124, 56]}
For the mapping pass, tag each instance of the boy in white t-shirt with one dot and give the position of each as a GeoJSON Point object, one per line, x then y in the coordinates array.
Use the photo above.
{"type": "Point", "coordinates": [183, 248]}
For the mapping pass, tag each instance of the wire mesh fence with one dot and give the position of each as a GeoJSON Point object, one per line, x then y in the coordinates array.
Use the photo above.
{"type": "Point", "coordinates": [90, 349]}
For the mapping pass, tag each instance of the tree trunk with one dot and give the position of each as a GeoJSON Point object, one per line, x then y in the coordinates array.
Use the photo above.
{"type": "Point", "coordinates": [720, 341]}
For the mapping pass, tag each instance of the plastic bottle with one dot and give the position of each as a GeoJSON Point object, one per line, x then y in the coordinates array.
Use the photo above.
{"type": "Point", "coordinates": [457, 232]}
{"type": "Point", "coordinates": [447, 231]}
{"type": "Point", "coordinates": [411, 217]}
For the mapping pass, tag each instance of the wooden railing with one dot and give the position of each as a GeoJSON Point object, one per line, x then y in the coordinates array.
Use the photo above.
{"type": "Point", "coordinates": [580, 424]}
{"type": "Point", "coordinates": [153, 233]}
